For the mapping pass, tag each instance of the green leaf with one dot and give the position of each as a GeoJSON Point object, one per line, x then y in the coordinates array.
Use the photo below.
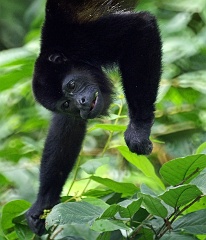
{"type": "Point", "coordinates": [145, 234]}
{"type": "Point", "coordinates": [201, 148]}
{"type": "Point", "coordinates": [129, 207]}
{"type": "Point", "coordinates": [15, 56]}
{"type": "Point", "coordinates": [194, 223]}
{"type": "Point", "coordinates": [3, 181]}
{"type": "Point", "coordinates": [96, 202]}
{"type": "Point", "coordinates": [195, 80]}
{"type": "Point", "coordinates": [104, 236]}
{"type": "Point", "coordinates": [73, 212]}
{"type": "Point", "coordinates": [91, 166]}
{"type": "Point", "coordinates": [176, 48]}
{"type": "Point", "coordinates": [181, 195]}
{"type": "Point", "coordinates": [200, 181]}
{"type": "Point", "coordinates": [201, 204]}
{"type": "Point", "coordinates": [110, 211]}
{"type": "Point", "coordinates": [115, 116]}
{"type": "Point", "coordinates": [146, 190]}
{"type": "Point", "coordinates": [97, 193]}
{"type": "Point", "coordinates": [180, 169]}
{"type": "Point", "coordinates": [16, 73]}
{"type": "Point", "coordinates": [105, 225]}
{"type": "Point", "coordinates": [127, 189]}
{"type": "Point", "coordinates": [142, 163]}
{"type": "Point", "coordinates": [183, 5]}
{"type": "Point", "coordinates": [23, 232]}
{"type": "Point", "coordinates": [154, 206]}
{"type": "Point", "coordinates": [12, 210]}
{"type": "Point", "coordinates": [114, 198]}
{"type": "Point", "coordinates": [11, 236]}
{"type": "Point", "coordinates": [114, 235]}
{"type": "Point", "coordinates": [74, 232]}
{"type": "Point", "coordinates": [177, 236]}
{"type": "Point", "coordinates": [108, 127]}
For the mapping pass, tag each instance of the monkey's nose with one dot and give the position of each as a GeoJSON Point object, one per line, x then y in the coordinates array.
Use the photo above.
{"type": "Point", "coordinates": [83, 101]}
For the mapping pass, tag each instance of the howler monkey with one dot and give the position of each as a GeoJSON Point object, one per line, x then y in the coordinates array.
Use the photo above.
{"type": "Point", "coordinates": [78, 39]}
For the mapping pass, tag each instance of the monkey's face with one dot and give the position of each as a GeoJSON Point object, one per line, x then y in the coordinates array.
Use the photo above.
{"type": "Point", "coordinates": [81, 97]}
{"type": "Point", "coordinates": [76, 89]}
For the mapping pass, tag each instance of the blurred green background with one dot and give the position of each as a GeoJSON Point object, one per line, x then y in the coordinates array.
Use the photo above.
{"type": "Point", "coordinates": [180, 123]}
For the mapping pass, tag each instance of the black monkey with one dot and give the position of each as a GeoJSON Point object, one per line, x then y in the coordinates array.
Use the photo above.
{"type": "Point", "coordinates": [78, 39]}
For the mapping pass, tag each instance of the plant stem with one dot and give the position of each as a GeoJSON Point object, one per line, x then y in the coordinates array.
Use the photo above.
{"type": "Point", "coordinates": [87, 184]}
{"type": "Point", "coordinates": [102, 154]}
{"type": "Point", "coordinates": [188, 177]}
{"type": "Point", "coordinates": [107, 142]}
{"type": "Point", "coordinates": [75, 174]}
{"type": "Point", "coordinates": [174, 216]}
{"type": "Point", "coordinates": [136, 231]}
{"type": "Point", "coordinates": [112, 132]}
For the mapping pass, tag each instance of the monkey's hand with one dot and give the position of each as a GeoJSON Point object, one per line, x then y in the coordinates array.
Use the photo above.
{"type": "Point", "coordinates": [137, 138]}
{"type": "Point", "coordinates": [36, 220]}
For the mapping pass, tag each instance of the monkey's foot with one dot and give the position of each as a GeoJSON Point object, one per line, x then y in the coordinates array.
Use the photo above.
{"type": "Point", "coordinates": [137, 138]}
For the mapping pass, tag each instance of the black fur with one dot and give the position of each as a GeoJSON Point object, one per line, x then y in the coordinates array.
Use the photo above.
{"type": "Point", "coordinates": [78, 39]}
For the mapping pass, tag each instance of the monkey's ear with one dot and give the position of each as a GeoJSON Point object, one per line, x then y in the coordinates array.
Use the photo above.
{"type": "Point", "coordinates": [57, 58]}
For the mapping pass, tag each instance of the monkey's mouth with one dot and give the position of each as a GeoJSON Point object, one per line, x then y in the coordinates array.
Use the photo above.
{"type": "Point", "coordinates": [94, 102]}
{"type": "Point", "coordinates": [95, 107]}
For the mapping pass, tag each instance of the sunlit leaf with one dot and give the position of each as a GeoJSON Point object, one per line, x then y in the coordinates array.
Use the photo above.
{"type": "Point", "coordinates": [183, 5]}
{"type": "Point", "coordinates": [74, 232]}
{"type": "Point", "coordinates": [195, 80]}
{"type": "Point", "coordinates": [96, 202]}
{"type": "Point", "coordinates": [127, 189]}
{"type": "Point", "coordinates": [183, 169]}
{"type": "Point", "coordinates": [90, 166]}
{"type": "Point", "coordinates": [201, 148]}
{"type": "Point", "coordinates": [181, 195]}
{"type": "Point", "coordinates": [105, 225]}
{"type": "Point", "coordinates": [108, 127]}
{"type": "Point", "coordinates": [142, 163]}
{"type": "Point", "coordinates": [12, 210]}
{"type": "Point", "coordinates": [73, 212]}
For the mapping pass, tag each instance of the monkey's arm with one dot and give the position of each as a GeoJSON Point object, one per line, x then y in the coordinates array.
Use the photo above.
{"type": "Point", "coordinates": [61, 149]}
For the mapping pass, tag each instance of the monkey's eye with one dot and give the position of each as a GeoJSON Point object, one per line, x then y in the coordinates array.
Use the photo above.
{"type": "Point", "coordinates": [71, 85]}
{"type": "Point", "coordinates": [65, 105]}
{"type": "Point", "coordinates": [57, 58]}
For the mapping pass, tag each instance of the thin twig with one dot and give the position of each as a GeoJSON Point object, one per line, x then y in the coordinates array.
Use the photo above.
{"type": "Point", "coordinates": [136, 231]}
{"type": "Point", "coordinates": [75, 174]}
{"type": "Point", "coordinates": [107, 143]}
{"type": "Point", "coordinates": [188, 177]}
{"type": "Point", "coordinates": [174, 216]}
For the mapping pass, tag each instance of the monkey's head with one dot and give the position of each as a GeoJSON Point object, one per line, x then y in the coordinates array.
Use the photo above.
{"type": "Point", "coordinates": [81, 96]}
{"type": "Point", "coordinates": [75, 88]}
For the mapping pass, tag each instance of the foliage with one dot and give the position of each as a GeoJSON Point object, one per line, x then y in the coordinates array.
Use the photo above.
{"type": "Point", "coordinates": [15, 21]}
{"type": "Point", "coordinates": [112, 193]}
{"type": "Point", "coordinates": [118, 210]}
